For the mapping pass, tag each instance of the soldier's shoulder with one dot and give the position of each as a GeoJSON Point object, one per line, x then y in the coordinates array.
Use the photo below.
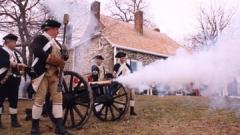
{"type": "Point", "coordinates": [3, 52]}
{"type": "Point", "coordinates": [1, 49]}
{"type": "Point", "coordinates": [94, 67]}
{"type": "Point", "coordinates": [40, 38]}
{"type": "Point", "coordinates": [117, 64]}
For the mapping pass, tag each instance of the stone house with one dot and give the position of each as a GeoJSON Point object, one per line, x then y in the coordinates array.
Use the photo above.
{"type": "Point", "coordinates": [142, 45]}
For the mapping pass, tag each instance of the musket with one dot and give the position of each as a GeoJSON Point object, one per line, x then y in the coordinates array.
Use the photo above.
{"type": "Point", "coordinates": [63, 51]}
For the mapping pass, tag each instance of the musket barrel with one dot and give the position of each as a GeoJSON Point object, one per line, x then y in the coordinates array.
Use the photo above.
{"type": "Point", "coordinates": [65, 19]}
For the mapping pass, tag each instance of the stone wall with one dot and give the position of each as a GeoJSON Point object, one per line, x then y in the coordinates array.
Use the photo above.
{"type": "Point", "coordinates": [143, 57]}
{"type": "Point", "coordinates": [81, 58]}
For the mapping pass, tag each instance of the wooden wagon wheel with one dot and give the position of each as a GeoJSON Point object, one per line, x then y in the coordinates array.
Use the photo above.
{"type": "Point", "coordinates": [111, 101]}
{"type": "Point", "coordinates": [77, 100]}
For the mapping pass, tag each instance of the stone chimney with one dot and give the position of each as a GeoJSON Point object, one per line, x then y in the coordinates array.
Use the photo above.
{"type": "Point", "coordinates": [95, 8]}
{"type": "Point", "coordinates": [138, 22]}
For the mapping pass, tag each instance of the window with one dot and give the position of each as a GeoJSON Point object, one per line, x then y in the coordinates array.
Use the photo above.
{"type": "Point", "coordinates": [135, 65]}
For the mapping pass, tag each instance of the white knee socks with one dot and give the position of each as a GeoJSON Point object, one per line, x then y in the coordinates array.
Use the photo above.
{"type": "Point", "coordinates": [12, 110]}
{"type": "Point", "coordinates": [36, 112]}
{"type": "Point", "coordinates": [57, 111]}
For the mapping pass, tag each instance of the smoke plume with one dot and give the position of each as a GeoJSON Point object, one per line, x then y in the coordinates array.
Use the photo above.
{"type": "Point", "coordinates": [82, 21]}
{"type": "Point", "coordinates": [215, 67]}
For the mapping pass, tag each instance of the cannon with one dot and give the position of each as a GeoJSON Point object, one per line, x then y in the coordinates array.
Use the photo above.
{"type": "Point", "coordinates": [107, 100]}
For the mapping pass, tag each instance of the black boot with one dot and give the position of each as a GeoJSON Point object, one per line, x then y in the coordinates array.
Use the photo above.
{"type": "Point", "coordinates": [1, 126]}
{"type": "Point", "coordinates": [14, 121]}
{"type": "Point", "coordinates": [28, 114]}
{"type": "Point", "coordinates": [60, 130]}
{"type": "Point", "coordinates": [35, 127]}
{"type": "Point", "coordinates": [132, 112]}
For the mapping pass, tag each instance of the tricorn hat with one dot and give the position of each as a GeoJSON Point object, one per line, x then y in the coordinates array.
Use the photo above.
{"type": "Point", "coordinates": [51, 23]}
{"type": "Point", "coordinates": [120, 55]}
{"type": "Point", "coordinates": [99, 57]}
{"type": "Point", "coordinates": [10, 37]}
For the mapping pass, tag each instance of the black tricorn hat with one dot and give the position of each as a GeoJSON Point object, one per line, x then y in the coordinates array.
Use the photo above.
{"type": "Point", "coordinates": [10, 37]}
{"type": "Point", "coordinates": [51, 23]}
{"type": "Point", "coordinates": [99, 57]}
{"type": "Point", "coordinates": [120, 55]}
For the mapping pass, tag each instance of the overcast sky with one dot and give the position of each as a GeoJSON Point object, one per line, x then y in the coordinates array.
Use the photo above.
{"type": "Point", "coordinates": [177, 18]}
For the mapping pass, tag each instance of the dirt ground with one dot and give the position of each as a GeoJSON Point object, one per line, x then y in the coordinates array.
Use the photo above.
{"type": "Point", "coordinates": [156, 116]}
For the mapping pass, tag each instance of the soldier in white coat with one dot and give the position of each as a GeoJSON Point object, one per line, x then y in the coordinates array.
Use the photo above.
{"type": "Point", "coordinates": [121, 69]}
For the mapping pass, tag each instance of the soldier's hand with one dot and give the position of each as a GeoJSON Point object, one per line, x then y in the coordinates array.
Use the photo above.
{"type": "Point", "coordinates": [62, 64]}
{"type": "Point", "coordinates": [21, 66]}
{"type": "Point", "coordinates": [56, 61]}
{"type": "Point", "coordinates": [65, 53]}
{"type": "Point", "coordinates": [114, 74]}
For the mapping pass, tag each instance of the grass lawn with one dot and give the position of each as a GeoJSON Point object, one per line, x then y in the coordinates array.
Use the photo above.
{"type": "Point", "coordinates": [156, 116]}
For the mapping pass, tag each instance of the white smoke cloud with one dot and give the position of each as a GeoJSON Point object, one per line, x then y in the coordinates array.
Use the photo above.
{"type": "Point", "coordinates": [215, 67]}
{"type": "Point", "coordinates": [81, 19]}
{"type": "Point", "coordinates": [82, 23]}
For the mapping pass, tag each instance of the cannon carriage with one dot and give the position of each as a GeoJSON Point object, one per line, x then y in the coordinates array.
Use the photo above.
{"type": "Point", "coordinates": [107, 100]}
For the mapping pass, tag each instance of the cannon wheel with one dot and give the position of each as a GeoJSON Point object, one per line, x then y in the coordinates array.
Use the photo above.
{"type": "Point", "coordinates": [77, 100]}
{"type": "Point", "coordinates": [111, 101]}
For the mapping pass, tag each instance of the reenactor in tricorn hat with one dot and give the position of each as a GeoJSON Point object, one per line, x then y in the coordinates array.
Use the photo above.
{"type": "Point", "coordinates": [47, 64]}
{"type": "Point", "coordinates": [98, 70]}
{"type": "Point", "coordinates": [10, 77]}
{"type": "Point", "coordinates": [123, 68]}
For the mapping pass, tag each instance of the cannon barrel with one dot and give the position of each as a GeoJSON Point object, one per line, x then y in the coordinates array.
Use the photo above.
{"type": "Point", "coordinates": [101, 82]}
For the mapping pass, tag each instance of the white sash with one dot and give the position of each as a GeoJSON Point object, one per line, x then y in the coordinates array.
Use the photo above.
{"type": "Point", "coordinates": [35, 61]}
{"type": "Point", "coordinates": [11, 54]}
{"type": "Point", "coordinates": [101, 73]}
{"type": "Point", "coordinates": [47, 46]}
{"type": "Point", "coordinates": [123, 69]}
{"type": "Point", "coordinates": [45, 49]}
{"type": "Point", "coordinates": [2, 70]}
{"type": "Point", "coordinates": [12, 59]}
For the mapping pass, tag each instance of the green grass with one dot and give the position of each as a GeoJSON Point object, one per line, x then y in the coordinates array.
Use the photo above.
{"type": "Point", "coordinates": [156, 116]}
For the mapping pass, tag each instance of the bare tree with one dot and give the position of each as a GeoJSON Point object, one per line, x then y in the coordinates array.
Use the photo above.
{"type": "Point", "coordinates": [24, 18]}
{"type": "Point", "coordinates": [211, 23]}
{"type": "Point", "coordinates": [124, 10]}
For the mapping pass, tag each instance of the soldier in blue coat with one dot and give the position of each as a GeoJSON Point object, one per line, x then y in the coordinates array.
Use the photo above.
{"type": "Point", "coordinates": [98, 70]}
{"type": "Point", "coordinates": [10, 77]}
{"type": "Point", "coordinates": [47, 64]}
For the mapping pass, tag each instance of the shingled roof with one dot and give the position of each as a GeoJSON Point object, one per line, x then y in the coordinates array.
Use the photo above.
{"type": "Point", "coordinates": [124, 35]}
